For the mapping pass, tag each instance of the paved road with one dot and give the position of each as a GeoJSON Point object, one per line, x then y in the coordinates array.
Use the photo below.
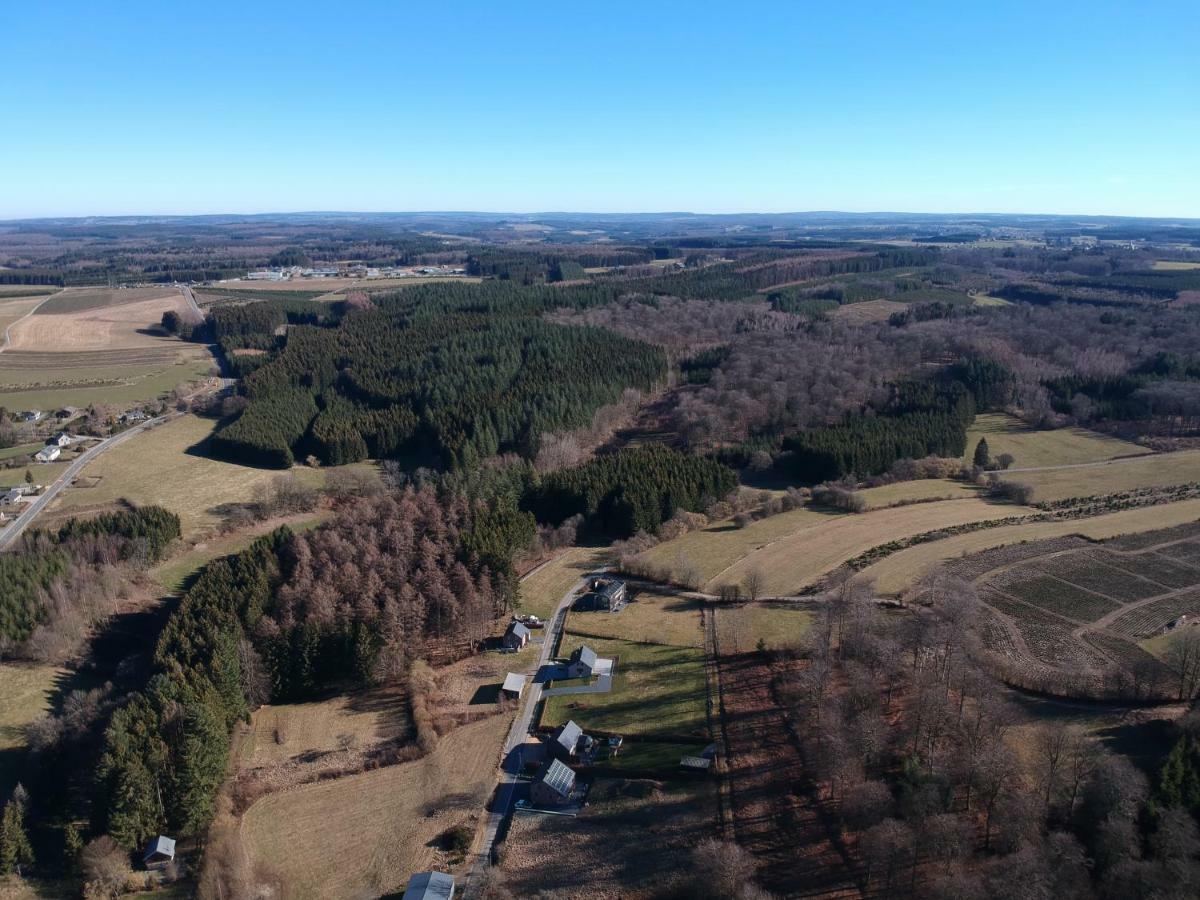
{"type": "Point", "coordinates": [12, 531]}
{"type": "Point", "coordinates": [511, 764]}
{"type": "Point", "coordinates": [191, 300]}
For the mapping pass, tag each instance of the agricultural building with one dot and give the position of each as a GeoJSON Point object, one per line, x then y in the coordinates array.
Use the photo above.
{"type": "Point", "coordinates": [430, 886]}
{"type": "Point", "coordinates": [514, 685]}
{"type": "Point", "coordinates": [517, 636]}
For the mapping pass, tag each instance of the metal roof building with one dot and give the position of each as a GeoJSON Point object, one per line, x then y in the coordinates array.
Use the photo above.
{"type": "Point", "coordinates": [159, 852]}
{"type": "Point", "coordinates": [514, 684]}
{"type": "Point", "coordinates": [554, 784]}
{"type": "Point", "coordinates": [567, 737]}
{"type": "Point", "coordinates": [430, 886]}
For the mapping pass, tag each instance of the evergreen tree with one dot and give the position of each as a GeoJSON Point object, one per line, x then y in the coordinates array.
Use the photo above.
{"type": "Point", "coordinates": [72, 847]}
{"type": "Point", "coordinates": [15, 849]}
{"type": "Point", "coordinates": [983, 457]}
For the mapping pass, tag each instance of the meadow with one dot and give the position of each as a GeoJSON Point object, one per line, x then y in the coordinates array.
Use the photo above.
{"type": "Point", "coordinates": [75, 300]}
{"type": "Point", "coordinates": [25, 691]}
{"type": "Point", "coordinates": [1158, 470]}
{"type": "Point", "coordinates": [165, 466]}
{"type": "Point", "coordinates": [653, 617]}
{"type": "Point", "coordinates": [1032, 448]}
{"type": "Point", "coordinates": [543, 588]}
{"type": "Point", "coordinates": [741, 627]}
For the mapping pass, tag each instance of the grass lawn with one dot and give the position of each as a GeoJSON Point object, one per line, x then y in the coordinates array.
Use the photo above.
{"type": "Point", "coordinates": [1159, 470]}
{"type": "Point", "coordinates": [1033, 449]}
{"type": "Point", "coordinates": [541, 590]}
{"type": "Point", "coordinates": [1175, 265]}
{"type": "Point", "coordinates": [652, 755]}
{"type": "Point", "coordinates": [657, 689]}
{"type": "Point", "coordinates": [25, 690]}
{"type": "Point", "coordinates": [740, 628]}
{"type": "Point", "coordinates": [157, 467]}
{"type": "Point", "coordinates": [900, 570]}
{"type": "Point", "coordinates": [21, 450]}
{"type": "Point", "coordinates": [43, 473]}
{"type": "Point", "coordinates": [364, 835]}
{"type": "Point", "coordinates": [649, 617]}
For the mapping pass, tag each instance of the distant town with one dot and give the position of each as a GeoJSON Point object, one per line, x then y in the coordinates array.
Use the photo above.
{"type": "Point", "coordinates": [287, 273]}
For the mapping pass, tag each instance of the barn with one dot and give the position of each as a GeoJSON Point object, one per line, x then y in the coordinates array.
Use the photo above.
{"type": "Point", "coordinates": [517, 636]}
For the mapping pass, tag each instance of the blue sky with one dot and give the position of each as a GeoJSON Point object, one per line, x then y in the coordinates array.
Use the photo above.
{"type": "Point", "coordinates": [160, 107]}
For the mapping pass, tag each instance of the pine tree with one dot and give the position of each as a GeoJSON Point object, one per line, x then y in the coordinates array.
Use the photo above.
{"type": "Point", "coordinates": [983, 456]}
{"type": "Point", "coordinates": [72, 847]}
{"type": "Point", "coordinates": [15, 849]}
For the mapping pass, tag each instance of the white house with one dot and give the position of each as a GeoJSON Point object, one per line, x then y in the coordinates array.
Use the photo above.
{"type": "Point", "coordinates": [49, 453]}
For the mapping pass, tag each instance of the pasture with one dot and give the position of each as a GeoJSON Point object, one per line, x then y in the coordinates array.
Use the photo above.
{"type": "Point", "coordinates": [543, 588]}
{"type": "Point", "coordinates": [1175, 265]}
{"type": "Point", "coordinates": [741, 627]}
{"type": "Point", "coordinates": [653, 617]}
{"type": "Point", "coordinates": [75, 300]}
{"type": "Point", "coordinates": [658, 689]}
{"type": "Point", "coordinates": [1034, 449]}
{"type": "Point", "coordinates": [43, 473]}
{"type": "Point", "coordinates": [62, 324]}
{"type": "Point", "coordinates": [25, 691]}
{"type": "Point", "coordinates": [363, 835]}
{"type": "Point", "coordinates": [868, 311]}
{"type": "Point", "coordinates": [1158, 470]}
{"type": "Point", "coordinates": [922, 491]}
{"type": "Point", "coordinates": [165, 466]}
{"type": "Point", "coordinates": [797, 559]}
{"type": "Point", "coordinates": [900, 571]}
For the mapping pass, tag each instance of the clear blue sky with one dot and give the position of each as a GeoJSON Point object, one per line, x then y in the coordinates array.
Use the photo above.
{"type": "Point", "coordinates": [163, 107]}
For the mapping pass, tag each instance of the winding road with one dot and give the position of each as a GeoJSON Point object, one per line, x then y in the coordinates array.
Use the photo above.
{"type": "Point", "coordinates": [12, 531]}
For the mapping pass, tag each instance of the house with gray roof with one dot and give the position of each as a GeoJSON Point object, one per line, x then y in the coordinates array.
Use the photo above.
{"type": "Point", "coordinates": [607, 595]}
{"type": "Point", "coordinates": [565, 743]}
{"type": "Point", "coordinates": [517, 636]}
{"type": "Point", "coordinates": [554, 785]}
{"type": "Point", "coordinates": [582, 663]}
{"type": "Point", "coordinates": [159, 853]}
{"type": "Point", "coordinates": [430, 886]}
{"type": "Point", "coordinates": [514, 685]}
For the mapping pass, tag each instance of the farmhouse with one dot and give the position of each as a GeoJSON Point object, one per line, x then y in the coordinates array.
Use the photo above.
{"type": "Point", "coordinates": [566, 740]}
{"type": "Point", "coordinates": [48, 453]}
{"type": "Point", "coordinates": [8, 498]}
{"type": "Point", "coordinates": [517, 636]}
{"type": "Point", "coordinates": [134, 415]}
{"type": "Point", "coordinates": [430, 886]}
{"type": "Point", "coordinates": [607, 595]}
{"type": "Point", "coordinates": [33, 415]}
{"type": "Point", "coordinates": [159, 853]}
{"type": "Point", "coordinates": [62, 439]}
{"type": "Point", "coordinates": [514, 685]}
{"type": "Point", "coordinates": [554, 785]}
{"type": "Point", "coordinates": [582, 663]}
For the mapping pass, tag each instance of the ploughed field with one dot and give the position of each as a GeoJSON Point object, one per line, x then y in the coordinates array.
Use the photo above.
{"type": "Point", "coordinates": [1066, 615]}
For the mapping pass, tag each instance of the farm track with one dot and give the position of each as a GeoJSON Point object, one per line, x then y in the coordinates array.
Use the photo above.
{"type": "Point", "coordinates": [8, 330]}
{"type": "Point", "coordinates": [717, 716]}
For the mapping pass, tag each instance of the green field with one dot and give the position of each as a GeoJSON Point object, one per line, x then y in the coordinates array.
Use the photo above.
{"type": "Point", "coordinates": [661, 619]}
{"type": "Point", "coordinates": [541, 590]}
{"type": "Point", "coordinates": [24, 695]}
{"type": "Point", "coordinates": [1034, 449]}
{"type": "Point", "coordinates": [1175, 265]}
{"type": "Point", "coordinates": [121, 385]}
{"type": "Point", "coordinates": [43, 473]}
{"type": "Point", "coordinates": [21, 450]}
{"type": "Point", "coordinates": [657, 689]}
{"type": "Point", "coordinates": [1159, 470]}
{"type": "Point", "coordinates": [924, 490]}
{"type": "Point", "coordinates": [644, 755]}
{"type": "Point", "coordinates": [740, 628]}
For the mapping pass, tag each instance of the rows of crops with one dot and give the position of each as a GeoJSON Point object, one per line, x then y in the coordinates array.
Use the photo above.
{"type": "Point", "coordinates": [1144, 621]}
{"type": "Point", "coordinates": [1151, 566]}
{"type": "Point", "coordinates": [1059, 597]}
{"type": "Point", "coordinates": [1083, 571]}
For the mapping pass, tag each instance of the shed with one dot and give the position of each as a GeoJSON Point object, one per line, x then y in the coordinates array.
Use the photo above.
{"type": "Point", "coordinates": [554, 784]}
{"type": "Point", "coordinates": [695, 763]}
{"type": "Point", "coordinates": [159, 852]}
{"type": "Point", "coordinates": [430, 886]}
{"type": "Point", "coordinates": [514, 685]}
{"type": "Point", "coordinates": [566, 739]}
{"type": "Point", "coordinates": [582, 662]}
{"type": "Point", "coordinates": [516, 637]}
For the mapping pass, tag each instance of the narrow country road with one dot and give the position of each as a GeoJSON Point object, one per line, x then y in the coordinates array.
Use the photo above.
{"type": "Point", "coordinates": [12, 531]}
{"type": "Point", "coordinates": [511, 762]}
{"type": "Point", "coordinates": [186, 290]}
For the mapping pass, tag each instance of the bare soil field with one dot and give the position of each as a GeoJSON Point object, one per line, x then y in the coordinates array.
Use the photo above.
{"type": "Point", "coordinates": [633, 839]}
{"type": "Point", "coordinates": [901, 570]}
{"type": "Point", "coordinates": [364, 835]}
{"type": "Point", "coordinates": [1158, 470]}
{"type": "Point", "coordinates": [794, 561]}
{"type": "Point", "coordinates": [1033, 449]}
{"type": "Point", "coordinates": [128, 324]}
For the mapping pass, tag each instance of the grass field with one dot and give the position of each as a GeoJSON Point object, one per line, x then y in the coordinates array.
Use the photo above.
{"type": "Point", "coordinates": [740, 628]}
{"type": "Point", "coordinates": [14, 309]}
{"type": "Point", "coordinates": [541, 591]}
{"type": "Point", "coordinates": [868, 311]}
{"type": "Point", "coordinates": [901, 570]}
{"type": "Point", "coordinates": [923, 490]}
{"type": "Point", "coordinates": [28, 290]}
{"type": "Point", "coordinates": [157, 467]}
{"type": "Point", "coordinates": [649, 617]}
{"type": "Point", "coordinates": [277, 734]}
{"type": "Point", "coordinates": [50, 385]}
{"type": "Point", "coordinates": [75, 300]}
{"type": "Point", "coordinates": [1175, 265]}
{"type": "Point", "coordinates": [657, 689]}
{"type": "Point", "coordinates": [1033, 449]}
{"type": "Point", "coordinates": [804, 555]}
{"type": "Point", "coordinates": [21, 450]}
{"type": "Point", "coordinates": [363, 835]}
{"type": "Point", "coordinates": [43, 473]}
{"type": "Point", "coordinates": [175, 573]}
{"type": "Point", "coordinates": [24, 695]}
{"type": "Point", "coordinates": [1159, 470]}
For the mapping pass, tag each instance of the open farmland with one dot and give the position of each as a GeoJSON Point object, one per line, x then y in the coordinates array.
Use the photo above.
{"type": "Point", "coordinates": [76, 300]}
{"type": "Point", "coordinates": [363, 835]}
{"type": "Point", "coordinates": [632, 839]}
{"type": "Point", "coordinates": [60, 325]}
{"type": "Point", "coordinates": [901, 570]}
{"type": "Point", "coordinates": [163, 466]}
{"type": "Point", "coordinates": [14, 309]}
{"type": "Point", "coordinates": [660, 618]}
{"type": "Point", "coordinates": [923, 491]}
{"type": "Point", "coordinates": [777, 625]}
{"type": "Point", "coordinates": [1034, 449]}
{"type": "Point", "coordinates": [25, 690]}
{"type": "Point", "coordinates": [795, 560]}
{"type": "Point", "coordinates": [658, 689]}
{"type": "Point", "coordinates": [1158, 470]}
{"type": "Point", "coordinates": [1081, 637]}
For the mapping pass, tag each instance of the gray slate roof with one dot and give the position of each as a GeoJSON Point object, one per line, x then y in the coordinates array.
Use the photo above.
{"type": "Point", "coordinates": [610, 588]}
{"type": "Point", "coordinates": [568, 736]}
{"type": "Point", "coordinates": [585, 655]}
{"type": "Point", "coordinates": [160, 845]}
{"type": "Point", "coordinates": [430, 886]}
{"type": "Point", "coordinates": [518, 629]}
{"type": "Point", "coordinates": [559, 778]}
